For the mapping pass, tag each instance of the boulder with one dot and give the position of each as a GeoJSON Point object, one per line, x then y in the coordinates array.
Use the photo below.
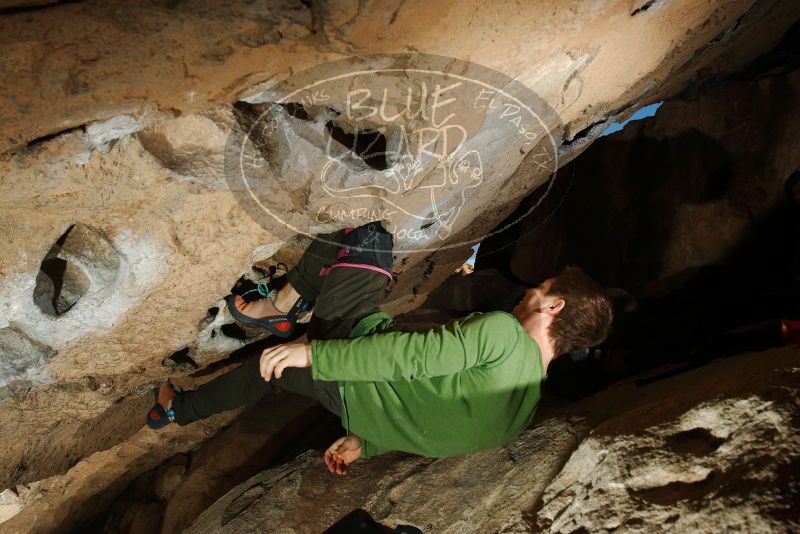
{"type": "Point", "coordinates": [709, 448]}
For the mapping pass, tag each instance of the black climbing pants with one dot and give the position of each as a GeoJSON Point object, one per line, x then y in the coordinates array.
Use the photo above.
{"type": "Point", "coordinates": [343, 296]}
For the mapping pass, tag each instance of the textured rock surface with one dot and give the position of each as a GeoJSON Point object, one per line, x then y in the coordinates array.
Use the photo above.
{"type": "Point", "coordinates": [114, 58]}
{"type": "Point", "coordinates": [51, 504]}
{"type": "Point", "coordinates": [724, 465]}
{"type": "Point", "coordinates": [185, 485]}
{"type": "Point", "coordinates": [479, 493]}
{"type": "Point", "coordinates": [712, 448]}
{"type": "Point", "coordinates": [142, 97]}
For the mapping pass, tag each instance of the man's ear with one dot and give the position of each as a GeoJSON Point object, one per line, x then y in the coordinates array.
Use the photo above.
{"type": "Point", "coordinates": [555, 307]}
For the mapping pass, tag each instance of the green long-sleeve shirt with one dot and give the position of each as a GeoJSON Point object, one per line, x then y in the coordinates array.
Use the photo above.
{"type": "Point", "coordinates": [469, 385]}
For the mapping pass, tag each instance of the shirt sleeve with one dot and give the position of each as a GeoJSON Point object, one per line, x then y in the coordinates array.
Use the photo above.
{"type": "Point", "coordinates": [478, 339]}
{"type": "Point", "coordinates": [369, 449]}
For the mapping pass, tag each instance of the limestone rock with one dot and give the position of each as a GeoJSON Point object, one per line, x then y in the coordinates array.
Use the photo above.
{"type": "Point", "coordinates": [724, 465]}
{"type": "Point", "coordinates": [477, 493]}
{"type": "Point", "coordinates": [101, 134]}
{"type": "Point", "coordinates": [10, 505]}
{"type": "Point", "coordinates": [90, 76]}
{"type": "Point", "coordinates": [22, 358]}
{"type": "Point", "coordinates": [192, 146]}
{"type": "Point", "coordinates": [114, 116]}
{"type": "Point", "coordinates": [170, 476]}
{"type": "Point", "coordinates": [716, 447]}
{"type": "Point", "coordinates": [141, 518]}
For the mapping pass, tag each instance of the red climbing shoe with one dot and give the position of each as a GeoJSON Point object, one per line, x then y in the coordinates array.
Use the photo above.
{"type": "Point", "coordinates": [159, 416]}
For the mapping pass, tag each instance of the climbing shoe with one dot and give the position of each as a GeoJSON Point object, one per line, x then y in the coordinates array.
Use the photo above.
{"type": "Point", "coordinates": [278, 325]}
{"type": "Point", "coordinates": [158, 416]}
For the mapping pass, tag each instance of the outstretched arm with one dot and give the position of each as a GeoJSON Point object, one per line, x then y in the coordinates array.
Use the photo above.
{"type": "Point", "coordinates": [479, 339]}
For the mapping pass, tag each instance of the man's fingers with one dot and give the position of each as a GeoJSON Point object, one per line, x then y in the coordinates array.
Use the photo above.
{"type": "Point", "coordinates": [272, 362]}
{"type": "Point", "coordinates": [266, 355]}
{"type": "Point", "coordinates": [330, 461]}
{"type": "Point", "coordinates": [268, 363]}
{"type": "Point", "coordinates": [276, 359]}
{"type": "Point", "coordinates": [334, 466]}
{"type": "Point", "coordinates": [338, 466]}
{"type": "Point", "coordinates": [262, 367]}
{"type": "Point", "coordinates": [335, 462]}
{"type": "Point", "coordinates": [269, 351]}
{"type": "Point", "coordinates": [284, 363]}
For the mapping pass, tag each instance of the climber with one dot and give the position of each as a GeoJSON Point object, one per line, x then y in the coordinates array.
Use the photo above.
{"type": "Point", "coordinates": [468, 267]}
{"type": "Point", "coordinates": [469, 385]}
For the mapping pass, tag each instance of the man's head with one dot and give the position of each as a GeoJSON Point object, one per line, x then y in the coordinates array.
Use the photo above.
{"type": "Point", "coordinates": [571, 310]}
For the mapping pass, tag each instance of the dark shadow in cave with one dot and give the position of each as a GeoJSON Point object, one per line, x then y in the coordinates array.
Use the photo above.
{"type": "Point", "coordinates": [725, 309]}
{"type": "Point", "coordinates": [368, 144]}
{"type": "Point", "coordinates": [359, 521]}
{"type": "Point", "coordinates": [616, 226]}
{"type": "Point", "coordinates": [296, 110]}
{"type": "Point", "coordinates": [50, 280]}
{"type": "Point", "coordinates": [721, 310]}
{"type": "Point", "coordinates": [180, 360]}
{"type": "Point", "coordinates": [35, 6]}
{"type": "Point", "coordinates": [612, 226]}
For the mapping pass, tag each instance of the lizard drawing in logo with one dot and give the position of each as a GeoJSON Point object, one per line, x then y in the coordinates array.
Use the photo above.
{"type": "Point", "coordinates": [443, 176]}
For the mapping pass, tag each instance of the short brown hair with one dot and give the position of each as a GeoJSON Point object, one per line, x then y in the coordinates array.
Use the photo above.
{"type": "Point", "coordinates": [585, 320]}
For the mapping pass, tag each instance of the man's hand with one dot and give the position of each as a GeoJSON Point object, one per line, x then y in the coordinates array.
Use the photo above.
{"type": "Point", "coordinates": [276, 359]}
{"type": "Point", "coordinates": [466, 269]}
{"type": "Point", "coordinates": [342, 453]}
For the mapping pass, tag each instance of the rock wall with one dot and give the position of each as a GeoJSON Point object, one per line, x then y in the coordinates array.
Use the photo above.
{"type": "Point", "coordinates": [71, 65]}
{"type": "Point", "coordinates": [121, 234]}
